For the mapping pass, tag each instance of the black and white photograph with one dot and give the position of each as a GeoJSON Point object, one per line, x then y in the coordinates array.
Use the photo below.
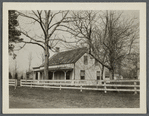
{"type": "Point", "coordinates": [74, 58]}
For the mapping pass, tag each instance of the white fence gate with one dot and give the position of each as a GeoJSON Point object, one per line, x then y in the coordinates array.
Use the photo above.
{"type": "Point", "coordinates": [112, 85]}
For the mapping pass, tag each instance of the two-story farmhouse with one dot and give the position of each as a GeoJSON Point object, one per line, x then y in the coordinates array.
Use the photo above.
{"type": "Point", "coordinates": [74, 64]}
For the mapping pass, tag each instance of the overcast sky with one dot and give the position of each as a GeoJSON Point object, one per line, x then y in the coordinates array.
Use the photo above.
{"type": "Point", "coordinates": [35, 50]}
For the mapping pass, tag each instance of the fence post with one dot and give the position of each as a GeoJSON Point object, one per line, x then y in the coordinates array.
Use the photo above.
{"type": "Point", "coordinates": [20, 82]}
{"type": "Point", "coordinates": [60, 86]}
{"type": "Point", "coordinates": [15, 83]}
{"type": "Point", "coordinates": [96, 84]}
{"type": "Point", "coordinates": [44, 85]}
{"type": "Point", "coordinates": [31, 84]}
{"type": "Point", "coordinates": [135, 88]}
{"type": "Point", "coordinates": [105, 88]}
{"type": "Point", "coordinates": [80, 88]}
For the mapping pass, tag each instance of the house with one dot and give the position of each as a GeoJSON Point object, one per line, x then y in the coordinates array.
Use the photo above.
{"type": "Point", "coordinates": [74, 64]}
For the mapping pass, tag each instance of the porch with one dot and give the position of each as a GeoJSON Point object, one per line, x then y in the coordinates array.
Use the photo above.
{"type": "Point", "coordinates": [58, 73]}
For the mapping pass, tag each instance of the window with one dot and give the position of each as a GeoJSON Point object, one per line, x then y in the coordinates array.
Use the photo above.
{"type": "Point", "coordinates": [98, 75]}
{"type": "Point", "coordinates": [106, 76]}
{"type": "Point", "coordinates": [85, 60]}
{"type": "Point", "coordinates": [82, 74]}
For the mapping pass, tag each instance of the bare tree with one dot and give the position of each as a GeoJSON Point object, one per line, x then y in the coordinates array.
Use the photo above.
{"type": "Point", "coordinates": [118, 37]}
{"type": "Point", "coordinates": [84, 30]}
{"type": "Point", "coordinates": [49, 25]}
{"type": "Point", "coordinates": [15, 75]}
{"type": "Point", "coordinates": [30, 58]}
{"type": "Point", "coordinates": [41, 56]}
{"type": "Point", "coordinates": [131, 63]}
{"type": "Point", "coordinates": [108, 35]}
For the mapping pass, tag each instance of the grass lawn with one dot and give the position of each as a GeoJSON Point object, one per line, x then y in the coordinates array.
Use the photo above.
{"type": "Point", "coordinates": [25, 97]}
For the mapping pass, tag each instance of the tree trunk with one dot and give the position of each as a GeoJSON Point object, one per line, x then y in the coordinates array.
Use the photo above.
{"type": "Point", "coordinates": [111, 74]}
{"type": "Point", "coordinates": [136, 69]}
{"type": "Point", "coordinates": [46, 65]}
{"type": "Point", "coordinates": [102, 72]}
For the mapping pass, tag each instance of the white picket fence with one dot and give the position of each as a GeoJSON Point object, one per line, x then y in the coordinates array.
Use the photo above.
{"type": "Point", "coordinates": [112, 85]}
{"type": "Point", "coordinates": [13, 82]}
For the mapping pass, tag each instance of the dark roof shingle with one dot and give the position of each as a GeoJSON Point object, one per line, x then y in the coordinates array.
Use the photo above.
{"type": "Point", "coordinates": [66, 57]}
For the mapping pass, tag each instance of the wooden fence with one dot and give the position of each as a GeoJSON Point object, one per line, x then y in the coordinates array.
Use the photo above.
{"type": "Point", "coordinates": [112, 85]}
{"type": "Point", "coordinates": [13, 82]}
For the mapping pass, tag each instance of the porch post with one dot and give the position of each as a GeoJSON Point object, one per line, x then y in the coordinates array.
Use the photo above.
{"type": "Point", "coordinates": [53, 74]}
{"type": "Point", "coordinates": [100, 76]}
{"type": "Point", "coordinates": [38, 75]}
{"type": "Point", "coordinates": [42, 75]}
{"type": "Point", "coordinates": [65, 74]}
{"type": "Point", "coordinates": [34, 76]}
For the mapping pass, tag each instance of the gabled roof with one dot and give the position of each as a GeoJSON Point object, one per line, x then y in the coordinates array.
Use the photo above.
{"type": "Point", "coordinates": [66, 57]}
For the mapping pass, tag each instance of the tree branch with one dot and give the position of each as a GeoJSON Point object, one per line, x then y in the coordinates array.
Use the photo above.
{"type": "Point", "coordinates": [31, 37]}
{"type": "Point", "coordinates": [41, 22]}
{"type": "Point", "coordinates": [34, 43]}
{"type": "Point", "coordinates": [57, 25]}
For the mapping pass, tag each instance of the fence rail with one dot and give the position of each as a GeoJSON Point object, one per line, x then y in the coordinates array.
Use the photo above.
{"type": "Point", "coordinates": [13, 82]}
{"type": "Point", "coordinates": [112, 85]}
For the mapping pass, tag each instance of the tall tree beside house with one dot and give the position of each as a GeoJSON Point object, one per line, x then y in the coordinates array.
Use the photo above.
{"type": "Point", "coordinates": [10, 76]}
{"type": "Point", "coordinates": [107, 34]}
{"type": "Point", "coordinates": [118, 37]}
{"type": "Point", "coordinates": [49, 25]}
{"type": "Point", "coordinates": [83, 29]}
{"type": "Point", "coordinates": [131, 65]}
{"type": "Point", "coordinates": [41, 57]}
{"type": "Point", "coordinates": [15, 71]}
{"type": "Point", "coordinates": [14, 34]}
{"type": "Point", "coordinates": [16, 75]}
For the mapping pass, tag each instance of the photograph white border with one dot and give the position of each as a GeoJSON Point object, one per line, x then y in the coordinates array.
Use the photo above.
{"type": "Point", "coordinates": [74, 6]}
